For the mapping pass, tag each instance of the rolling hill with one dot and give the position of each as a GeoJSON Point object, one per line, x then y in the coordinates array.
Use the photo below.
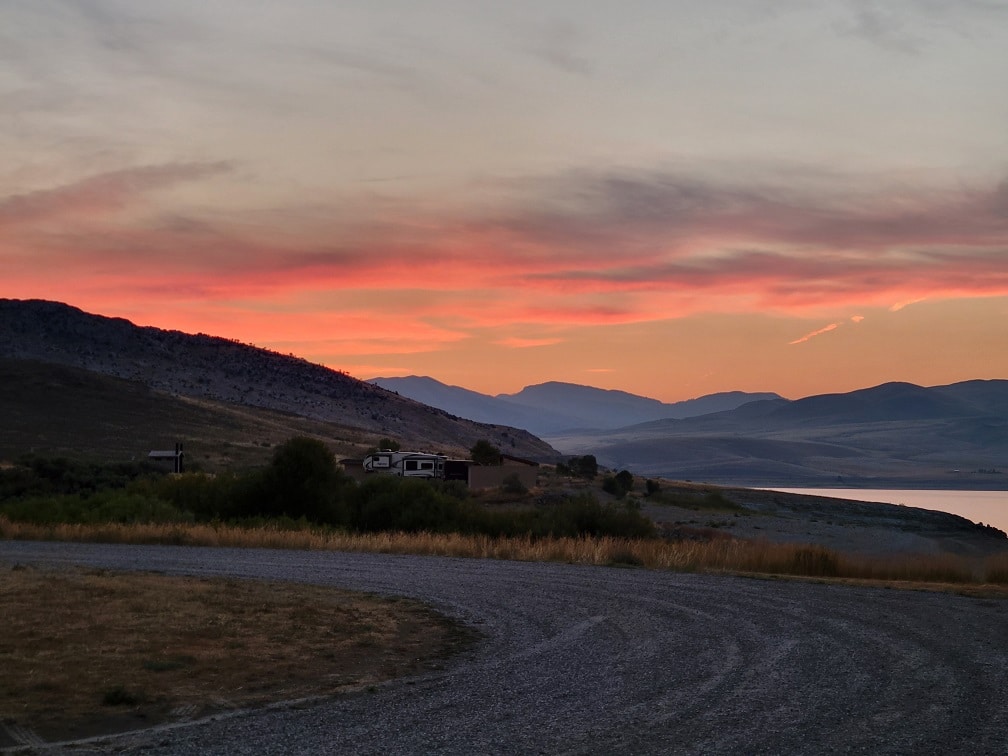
{"type": "Point", "coordinates": [122, 383]}
{"type": "Point", "coordinates": [893, 435]}
{"type": "Point", "coordinates": [77, 384]}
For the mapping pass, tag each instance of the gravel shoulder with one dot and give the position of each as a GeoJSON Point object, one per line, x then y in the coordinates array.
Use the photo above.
{"type": "Point", "coordinates": [583, 659]}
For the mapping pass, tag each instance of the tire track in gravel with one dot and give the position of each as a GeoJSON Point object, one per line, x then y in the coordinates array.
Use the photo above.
{"type": "Point", "coordinates": [599, 660]}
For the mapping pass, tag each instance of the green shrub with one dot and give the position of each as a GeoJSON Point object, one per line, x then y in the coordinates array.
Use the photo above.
{"type": "Point", "coordinates": [512, 484]}
{"type": "Point", "coordinates": [385, 502]}
{"type": "Point", "coordinates": [105, 506]}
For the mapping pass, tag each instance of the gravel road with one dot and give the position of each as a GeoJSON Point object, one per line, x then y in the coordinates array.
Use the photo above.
{"type": "Point", "coordinates": [604, 660]}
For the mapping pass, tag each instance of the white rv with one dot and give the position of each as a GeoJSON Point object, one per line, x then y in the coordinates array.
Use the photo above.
{"type": "Point", "coordinates": [405, 464]}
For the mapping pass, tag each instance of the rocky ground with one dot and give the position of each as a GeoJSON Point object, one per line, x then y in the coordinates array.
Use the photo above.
{"type": "Point", "coordinates": [869, 528]}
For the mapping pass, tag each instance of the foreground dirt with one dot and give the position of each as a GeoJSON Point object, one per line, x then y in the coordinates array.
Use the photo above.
{"type": "Point", "coordinates": [89, 652]}
{"type": "Point", "coordinates": [602, 660]}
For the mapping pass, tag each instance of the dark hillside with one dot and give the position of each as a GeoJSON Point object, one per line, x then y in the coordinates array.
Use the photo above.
{"type": "Point", "coordinates": [224, 371]}
{"type": "Point", "coordinates": [985, 397]}
{"type": "Point", "coordinates": [59, 411]}
{"type": "Point", "coordinates": [890, 401]}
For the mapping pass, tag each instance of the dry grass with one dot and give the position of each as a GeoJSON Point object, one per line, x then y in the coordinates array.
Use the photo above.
{"type": "Point", "coordinates": [91, 651]}
{"type": "Point", "coordinates": [719, 555]}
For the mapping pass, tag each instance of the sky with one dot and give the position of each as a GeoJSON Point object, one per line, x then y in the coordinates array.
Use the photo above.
{"type": "Point", "coordinates": [671, 198]}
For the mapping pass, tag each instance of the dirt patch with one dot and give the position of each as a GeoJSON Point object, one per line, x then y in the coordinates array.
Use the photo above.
{"type": "Point", "coordinates": [88, 652]}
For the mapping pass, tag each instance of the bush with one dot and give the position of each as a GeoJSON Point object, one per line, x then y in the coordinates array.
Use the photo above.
{"type": "Point", "coordinates": [126, 507]}
{"type": "Point", "coordinates": [618, 485]}
{"type": "Point", "coordinates": [512, 484]}
{"type": "Point", "coordinates": [385, 502]}
{"type": "Point", "coordinates": [584, 515]}
{"type": "Point", "coordinates": [41, 476]}
{"type": "Point", "coordinates": [583, 467]}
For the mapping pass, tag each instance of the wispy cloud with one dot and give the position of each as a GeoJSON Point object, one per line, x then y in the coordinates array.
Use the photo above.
{"type": "Point", "coordinates": [905, 303]}
{"type": "Point", "coordinates": [574, 249]}
{"type": "Point", "coordinates": [101, 193]}
{"type": "Point", "coordinates": [813, 334]}
{"type": "Point", "coordinates": [559, 43]}
{"type": "Point", "coordinates": [516, 342]}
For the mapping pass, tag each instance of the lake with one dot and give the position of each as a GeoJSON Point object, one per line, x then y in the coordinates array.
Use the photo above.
{"type": "Point", "coordinates": [988, 507]}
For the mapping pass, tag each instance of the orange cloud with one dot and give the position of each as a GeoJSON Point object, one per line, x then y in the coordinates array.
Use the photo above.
{"type": "Point", "coordinates": [577, 249]}
{"type": "Point", "coordinates": [905, 303]}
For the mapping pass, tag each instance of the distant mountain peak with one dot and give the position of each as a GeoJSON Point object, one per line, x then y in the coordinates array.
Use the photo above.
{"type": "Point", "coordinates": [556, 406]}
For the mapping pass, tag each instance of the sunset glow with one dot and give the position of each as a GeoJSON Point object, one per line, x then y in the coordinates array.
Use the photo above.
{"type": "Point", "coordinates": [671, 199]}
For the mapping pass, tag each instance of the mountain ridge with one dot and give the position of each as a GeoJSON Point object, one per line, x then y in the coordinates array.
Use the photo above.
{"type": "Point", "coordinates": [556, 406]}
{"type": "Point", "coordinates": [225, 371]}
{"type": "Point", "coordinates": [895, 435]}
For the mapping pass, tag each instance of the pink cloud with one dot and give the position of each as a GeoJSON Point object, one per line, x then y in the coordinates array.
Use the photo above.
{"type": "Point", "coordinates": [579, 249]}
{"type": "Point", "coordinates": [515, 342]}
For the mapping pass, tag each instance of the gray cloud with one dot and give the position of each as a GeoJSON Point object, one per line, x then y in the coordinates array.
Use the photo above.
{"type": "Point", "coordinates": [106, 190]}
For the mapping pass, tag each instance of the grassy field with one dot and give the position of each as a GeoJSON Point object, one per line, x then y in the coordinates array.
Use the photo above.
{"type": "Point", "coordinates": [716, 554]}
{"type": "Point", "coordinates": [89, 652]}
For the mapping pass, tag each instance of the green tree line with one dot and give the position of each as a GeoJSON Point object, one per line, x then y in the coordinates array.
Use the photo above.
{"type": "Point", "coordinates": [302, 483]}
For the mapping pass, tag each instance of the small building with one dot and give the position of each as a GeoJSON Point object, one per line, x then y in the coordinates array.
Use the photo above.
{"type": "Point", "coordinates": [175, 457]}
{"type": "Point", "coordinates": [493, 476]}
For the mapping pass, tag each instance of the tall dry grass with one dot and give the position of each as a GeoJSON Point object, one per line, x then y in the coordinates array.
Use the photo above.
{"type": "Point", "coordinates": [724, 555]}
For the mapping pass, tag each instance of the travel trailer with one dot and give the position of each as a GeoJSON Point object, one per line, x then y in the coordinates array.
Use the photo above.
{"type": "Point", "coordinates": [406, 464]}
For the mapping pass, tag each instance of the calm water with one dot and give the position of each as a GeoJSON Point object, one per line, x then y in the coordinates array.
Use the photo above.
{"type": "Point", "coordinates": [988, 507]}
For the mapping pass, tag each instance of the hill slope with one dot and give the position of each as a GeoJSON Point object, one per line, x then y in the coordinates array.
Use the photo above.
{"type": "Point", "coordinates": [893, 435]}
{"type": "Point", "coordinates": [225, 372]}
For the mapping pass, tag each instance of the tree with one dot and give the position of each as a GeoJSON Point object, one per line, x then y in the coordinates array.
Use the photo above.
{"type": "Point", "coordinates": [584, 467]}
{"type": "Point", "coordinates": [302, 480]}
{"type": "Point", "coordinates": [388, 444]}
{"type": "Point", "coordinates": [485, 453]}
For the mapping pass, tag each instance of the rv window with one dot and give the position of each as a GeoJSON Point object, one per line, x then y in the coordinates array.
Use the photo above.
{"type": "Point", "coordinates": [411, 464]}
{"type": "Point", "coordinates": [426, 465]}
